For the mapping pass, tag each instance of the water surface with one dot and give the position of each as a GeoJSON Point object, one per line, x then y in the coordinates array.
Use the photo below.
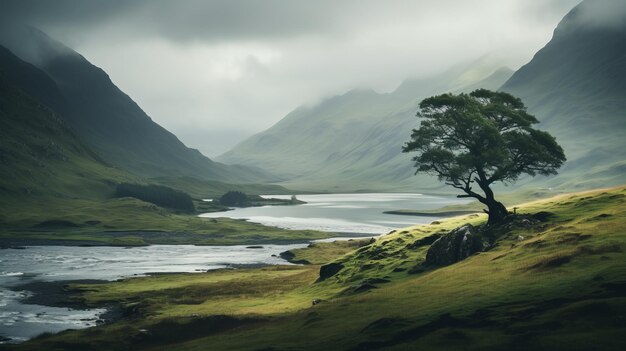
{"type": "Point", "coordinates": [20, 321]}
{"type": "Point", "coordinates": [343, 213]}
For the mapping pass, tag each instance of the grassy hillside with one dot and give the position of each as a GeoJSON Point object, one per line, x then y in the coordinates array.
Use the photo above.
{"type": "Point", "coordinates": [555, 284]}
{"type": "Point", "coordinates": [42, 156]}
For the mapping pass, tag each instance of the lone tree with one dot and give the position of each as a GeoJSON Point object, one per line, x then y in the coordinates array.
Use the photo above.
{"type": "Point", "coordinates": [481, 138]}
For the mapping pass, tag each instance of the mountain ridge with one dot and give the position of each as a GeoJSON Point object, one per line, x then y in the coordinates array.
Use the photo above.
{"type": "Point", "coordinates": [329, 146]}
{"type": "Point", "coordinates": [575, 85]}
{"type": "Point", "coordinates": [109, 120]}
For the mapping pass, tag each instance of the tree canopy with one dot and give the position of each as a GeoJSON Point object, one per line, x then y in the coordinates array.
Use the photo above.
{"type": "Point", "coordinates": [158, 195]}
{"type": "Point", "coordinates": [479, 139]}
{"type": "Point", "coordinates": [234, 198]}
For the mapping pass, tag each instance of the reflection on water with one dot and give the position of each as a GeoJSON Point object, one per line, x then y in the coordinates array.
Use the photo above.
{"type": "Point", "coordinates": [343, 213]}
{"type": "Point", "coordinates": [20, 321]}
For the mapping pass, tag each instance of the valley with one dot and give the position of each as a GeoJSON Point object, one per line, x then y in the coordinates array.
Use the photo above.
{"type": "Point", "coordinates": [422, 192]}
{"type": "Point", "coordinates": [577, 250]}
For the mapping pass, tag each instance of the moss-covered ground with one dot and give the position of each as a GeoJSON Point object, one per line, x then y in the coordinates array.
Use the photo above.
{"type": "Point", "coordinates": [559, 284]}
{"type": "Point", "coordinates": [128, 222]}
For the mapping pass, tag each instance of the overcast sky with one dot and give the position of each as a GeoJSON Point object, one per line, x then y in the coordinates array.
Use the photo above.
{"type": "Point", "coordinates": [215, 72]}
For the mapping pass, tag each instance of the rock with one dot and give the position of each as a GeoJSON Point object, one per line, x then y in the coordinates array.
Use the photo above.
{"type": "Point", "coordinates": [454, 246]}
{"type": "Point", "coordinates": [429, 240]}
{"type": "Point", "coordinates": [328, 270]}
{"type": "Point", "coordinates": [287, 255]}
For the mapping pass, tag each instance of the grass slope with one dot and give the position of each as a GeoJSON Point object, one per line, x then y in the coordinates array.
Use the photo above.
{"type": "Point", "coordinates": [559, 284]}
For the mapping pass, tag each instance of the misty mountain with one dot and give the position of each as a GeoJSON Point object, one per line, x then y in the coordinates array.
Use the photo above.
{"type": "Point", "coordinates": [39, 153]}
{"type": "Point", "coordinates": [103, 116]}
{"type": "Point", "coordinates": [353, 141]}
{"type": "Point", "coordinates": [576, 86]}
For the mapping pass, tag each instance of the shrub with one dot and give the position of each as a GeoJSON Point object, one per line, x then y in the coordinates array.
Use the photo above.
{"type": "Point", "coordinates": [234, 198]}
{"type": "Point", "coordinates": [158, 195]}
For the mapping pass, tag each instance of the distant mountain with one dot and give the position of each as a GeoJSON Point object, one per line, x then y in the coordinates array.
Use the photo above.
{"type": "Point", "coordinates": [353, 141]}
{"type": "Point", "coordinates": [103, 116]}
{"type": "Point", "coordinates": [576, 86]}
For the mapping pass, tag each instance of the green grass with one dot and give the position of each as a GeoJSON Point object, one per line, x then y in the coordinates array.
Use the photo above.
{"type": "Point", "coordinates": [554, 285]}
{"type": "Point", "coordinates": [323, 252]}
{"type": "Point", "coordinates": [127, 222]}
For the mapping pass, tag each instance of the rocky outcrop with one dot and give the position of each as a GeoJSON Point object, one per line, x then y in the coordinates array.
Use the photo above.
{"type": "Point", "coordinates": [328, 270]}
{"type": "Point", "coordinates": [454, 246]}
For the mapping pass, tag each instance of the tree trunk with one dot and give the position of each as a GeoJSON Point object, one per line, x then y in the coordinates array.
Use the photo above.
{"type": "Point", "coordinates": [496, 211]}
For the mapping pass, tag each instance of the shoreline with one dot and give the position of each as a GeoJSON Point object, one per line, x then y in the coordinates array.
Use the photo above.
{"type": "Point", "coordinates": [431, 213]}
{"type": "Point", "coordinates": [24, 243]}
{"type": "Point", "coordinates": [59, 294]}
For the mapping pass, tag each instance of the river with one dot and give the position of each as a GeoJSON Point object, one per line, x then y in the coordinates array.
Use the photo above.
{"type": "Point", "coordinates": [351, 214]}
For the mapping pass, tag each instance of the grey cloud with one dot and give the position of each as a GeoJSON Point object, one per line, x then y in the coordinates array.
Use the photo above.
{"type": "Point", "coordinates": [178, 20]}
{"type": "Point", "coordinates": [219, 20]}
{"type": "Point", "coordinates": [227, 69]}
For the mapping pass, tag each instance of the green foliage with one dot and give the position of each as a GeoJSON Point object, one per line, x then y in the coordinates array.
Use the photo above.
{"type": "Point", "coordinates": [156, 194]}
{"type": "Point", "coordinates": [202, 189]}
{"type": "Point", "coordinates": [234, 198]}
{"type": "Point", "coordinates": [481, 138]}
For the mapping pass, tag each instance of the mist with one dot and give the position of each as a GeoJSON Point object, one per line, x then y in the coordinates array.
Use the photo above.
{"type": "Point", "coordinates": [217, 72]}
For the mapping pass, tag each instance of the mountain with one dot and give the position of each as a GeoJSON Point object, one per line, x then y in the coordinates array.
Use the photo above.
{"type": "Point", "coordinates": [576, 86]}
{"type": "Point", "coordinates": [104, 117]}
{"type": "Point", "coordinates": [40, 154]}
{"type": "Point", "coordinates": [353, 141]}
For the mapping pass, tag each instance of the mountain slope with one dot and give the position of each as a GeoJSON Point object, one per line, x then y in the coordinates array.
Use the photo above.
{"type": "Point", "coordinates": [576, 86]}
{"type": "Point", "coordinates": [106, 118]}
{"type": "Point", "coordinates": [41, 156]}
{"type": "Point", "coordinates": [352, 141]}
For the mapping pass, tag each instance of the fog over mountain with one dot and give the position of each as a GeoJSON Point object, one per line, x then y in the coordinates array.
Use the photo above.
{"type": "Point", "coordinates": [215, 72]}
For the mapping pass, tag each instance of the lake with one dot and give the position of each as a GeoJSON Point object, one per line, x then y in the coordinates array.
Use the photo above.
{"type": "Point", "coordinates": [350, 214]}
{"type": "Point", "coordinates": [21, 321]}
{"type": "Point", "coordinates": [343, 213]}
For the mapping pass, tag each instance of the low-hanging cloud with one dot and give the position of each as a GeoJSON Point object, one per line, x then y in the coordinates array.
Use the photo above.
{"type": "Point", "coordinates": [214, 72]}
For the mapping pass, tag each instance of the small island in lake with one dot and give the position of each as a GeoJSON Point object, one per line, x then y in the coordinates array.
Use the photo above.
{"type": "Point", "coordinates": [240, 199]}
